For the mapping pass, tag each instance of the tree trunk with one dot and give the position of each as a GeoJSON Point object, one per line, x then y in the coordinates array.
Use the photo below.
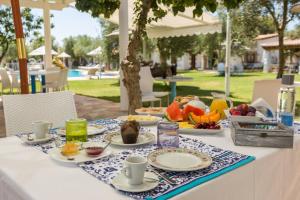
{"type": "Point", "coordinates": [130, 65]}
{"type": "Point", "coordinates": [173, 60]}
{"type": "Point", "coordinates": [193, 61]}
{"type": "Point", "coordinates": [4, 51]}
{"type": "Point", "coordinates": [281, 54]}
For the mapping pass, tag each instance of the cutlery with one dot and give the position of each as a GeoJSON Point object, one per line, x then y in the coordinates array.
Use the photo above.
{"type": "Point", "coordinates": [70, 158]}
{"type": "Point", "coordinates": [106, 145]}
{"type": "Point", "coordinates": [168, 180]}
{"type": "Point", "coordinates": [150, 179]}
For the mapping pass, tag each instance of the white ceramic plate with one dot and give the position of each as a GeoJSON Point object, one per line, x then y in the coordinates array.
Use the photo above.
{"type": "Point", "coordinates": [257, 118]}
{"type": "Point", "coordinates": [179, 159]}
{"type": "Point", "coordinates": [139, 118]}
{"type": "Point", "coordinates": [55, 154]}
{"type": "Point", "coordinates": [147, 111]}
{"type": "Point", "coordinates": [199, 131]}
{"type": "Point", "coordinates": [91, 130]}
{"type": "Point", "coordinates": [120, 182]}
{"type": "Point", "coordinates": [24, 138]}
{"type": "Point", "coordinates": [116, 139]}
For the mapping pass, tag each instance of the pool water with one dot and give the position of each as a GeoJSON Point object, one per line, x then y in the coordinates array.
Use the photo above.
{"type": "Point", "coordinates": [73, 73]}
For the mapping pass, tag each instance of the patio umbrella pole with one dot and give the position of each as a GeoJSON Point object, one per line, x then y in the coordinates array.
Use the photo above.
{"type": "Point", "coordinates": [15, 5]}
{"type": "Point", "coordinates": [228, 55]}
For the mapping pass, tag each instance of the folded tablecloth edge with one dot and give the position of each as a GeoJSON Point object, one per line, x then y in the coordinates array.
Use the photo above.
{"type": "Point", "coordinates": [205, 179]}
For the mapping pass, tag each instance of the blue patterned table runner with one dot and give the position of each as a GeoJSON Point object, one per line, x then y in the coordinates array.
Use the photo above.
{"type": "Point", "coordinates": [105, 169]}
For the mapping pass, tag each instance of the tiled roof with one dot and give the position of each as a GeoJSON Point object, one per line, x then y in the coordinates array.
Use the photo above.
{"type": "Point", "coordinates": [266, 36]}
{"type": "Point", "coordinates": [288, 43]}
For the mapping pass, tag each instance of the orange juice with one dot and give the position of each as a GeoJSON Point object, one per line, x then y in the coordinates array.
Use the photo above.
{"type": "Point", "coordinates": [219, 105]}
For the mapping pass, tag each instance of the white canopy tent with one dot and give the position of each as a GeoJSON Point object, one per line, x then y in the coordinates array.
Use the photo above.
{"type": "Point", "coordinates": [64, 55]}
{"type": "Point", "coordinates": [95, 52]}
{"type": "Point", "coordinates": [41, 51]}
{"type": "Point", "coordinates": [296, 8]}
{"type": "Point", "coordinates": [116, 33]}
{"type": "Point", "coordinates": [182, 24]}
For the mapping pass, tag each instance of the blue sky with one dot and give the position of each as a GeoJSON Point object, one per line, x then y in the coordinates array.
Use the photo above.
{"type": "Point", "coordinates": [71, 22]}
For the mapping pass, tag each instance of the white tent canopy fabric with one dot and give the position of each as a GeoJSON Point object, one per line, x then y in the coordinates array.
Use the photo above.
{"type": "Point", "coordinates": [64, 55]}
{"type": "Point", "coordinates": [183, 24]}
{"type": "Point", "coordinates": [95, 52]}
{"type": "Point", "coordinates": [116, 33]}
{"type": "Point", "coordinates": [41, 52]}
{"type": "Point", "coordinates": [52, 5]}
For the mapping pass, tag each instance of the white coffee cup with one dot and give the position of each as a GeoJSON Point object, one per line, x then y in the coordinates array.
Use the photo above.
{"type": "Point", "coordinates": [41, 128]}
{"type": "Point", "coordinates": [134, 170]}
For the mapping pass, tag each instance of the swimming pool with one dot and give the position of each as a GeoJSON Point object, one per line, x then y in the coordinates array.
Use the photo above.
{"type": "Point", "coordinates": [74, 73]}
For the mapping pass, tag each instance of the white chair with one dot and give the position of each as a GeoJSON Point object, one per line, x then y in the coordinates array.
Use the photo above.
{"type": "Point", "coordinates": [21, 110]}
{"type": "Point", "coordinates": [53, 80]}
{"type": "Point", "coordinates": [92, 73]}
{"type": "Point", "coordinates": [15, 83]}
{"type": "Point", "coordinates": [146, 86]}
{"type": "Point", "coordinates": [147, 82]}
{"type": "Point", "coordinates": [63, 80]}
{"type": "Point", "coordinates": [6, 82]}
{"type": "Point", "coordinates": [268, 90]}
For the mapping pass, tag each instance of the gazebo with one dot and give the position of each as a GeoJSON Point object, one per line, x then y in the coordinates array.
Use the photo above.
{"type": "Point", "coordinates": [182, 24]}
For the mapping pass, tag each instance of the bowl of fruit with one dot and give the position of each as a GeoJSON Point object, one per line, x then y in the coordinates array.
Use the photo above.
{"type": "Point", "coordinates": [193, 118]}
{"type": "Point", "coordinates": [244, 113]}
{"type": "Point", "coordinates": [202, 128]}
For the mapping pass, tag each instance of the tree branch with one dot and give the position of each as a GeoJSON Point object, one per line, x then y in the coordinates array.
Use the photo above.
{"type": "Point", "coordinates": [271, 9]}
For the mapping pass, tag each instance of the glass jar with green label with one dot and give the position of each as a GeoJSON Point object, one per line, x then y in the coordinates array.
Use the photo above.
{"type": "Point", "coordinates": [76, 130]}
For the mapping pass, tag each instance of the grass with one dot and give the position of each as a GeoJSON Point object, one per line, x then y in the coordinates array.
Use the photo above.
{"type": "Point", "coordinates": [202, 85]}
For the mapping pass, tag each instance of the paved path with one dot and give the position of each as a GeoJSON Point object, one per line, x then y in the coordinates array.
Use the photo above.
{"type": "Point", "coordinates": [87, 107]}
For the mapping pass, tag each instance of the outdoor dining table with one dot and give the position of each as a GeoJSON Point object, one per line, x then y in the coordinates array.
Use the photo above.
{"type": "Point", "coordinates": [172, 82]}
{"type": "Point", "coordinates": [27, 173]}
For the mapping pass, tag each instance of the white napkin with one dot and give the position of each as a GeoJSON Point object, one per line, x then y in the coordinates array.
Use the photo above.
{"type": "Point", "coordinates": [262, 106]}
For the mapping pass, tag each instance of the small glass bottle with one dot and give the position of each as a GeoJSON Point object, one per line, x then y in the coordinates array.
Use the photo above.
{"type": "Point", "coordinates": [167, 135]}
{"type": "Point", "coordinates": [76, 130]}
{"type": "Point", "coordinates": [286, 100]}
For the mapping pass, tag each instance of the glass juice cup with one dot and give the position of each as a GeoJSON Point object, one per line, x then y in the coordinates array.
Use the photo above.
{"type": "Point", "coordinates": [76, 130]}
{"type": "Point", "coordinates": [167, 135]}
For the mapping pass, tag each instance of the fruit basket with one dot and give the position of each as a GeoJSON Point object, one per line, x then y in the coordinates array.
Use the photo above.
{"type": "Point", "coordinates": [244, 113]}
{"type": "Point", "coordinates": [192, 117]}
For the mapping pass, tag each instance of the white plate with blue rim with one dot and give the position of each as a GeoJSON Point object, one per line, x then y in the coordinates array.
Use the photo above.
{"type": "Point", "coordinates": [179, 159]}
{"type": "Point", "coordinates": [80, 157]}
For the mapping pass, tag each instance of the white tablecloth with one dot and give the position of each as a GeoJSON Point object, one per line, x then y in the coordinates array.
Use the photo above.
{"type": "Point", "coordinates": [27, 173]}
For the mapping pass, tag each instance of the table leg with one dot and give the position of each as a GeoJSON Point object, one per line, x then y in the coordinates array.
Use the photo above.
{"type": "Point", "coordinates": [33, 85]}
{"type": "Point", "coordinates": [173, 91]}
{"type": "Point", "coordinates": [43, 83]}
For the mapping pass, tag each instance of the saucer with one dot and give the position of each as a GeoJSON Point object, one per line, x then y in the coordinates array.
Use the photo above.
{"type": "Point", "coordinates": [120, 182]}
{"type": "Point", "coordinates": [116, 139]}
{"type": "Point", "coordinates": [24, 138]}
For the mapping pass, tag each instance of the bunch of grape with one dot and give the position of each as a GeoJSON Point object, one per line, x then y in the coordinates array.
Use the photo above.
{"type": "Point", "coordinates": [210, 125]}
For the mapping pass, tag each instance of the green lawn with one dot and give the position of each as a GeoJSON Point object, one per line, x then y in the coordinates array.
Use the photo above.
{"type": "Point", "coordinates": [202, 85]}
